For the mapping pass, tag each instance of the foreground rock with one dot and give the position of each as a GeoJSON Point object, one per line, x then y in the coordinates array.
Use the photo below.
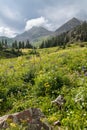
{"type": "Point", "coordinates": [59, 101]}
{"type": "Point", "coordinates": [32, 117]}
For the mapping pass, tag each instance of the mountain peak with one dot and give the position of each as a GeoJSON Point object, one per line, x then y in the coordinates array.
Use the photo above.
{"type": "Point", "coordinates": [34, 34]}
{"type": "Point", "coordinates": [74, 18]}
{"type": "Point", "coordinates": [72, 23]}
{"type": "Point", "coordinates": [38, 28]}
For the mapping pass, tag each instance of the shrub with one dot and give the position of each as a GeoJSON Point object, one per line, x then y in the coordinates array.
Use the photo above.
{"type": "Point", "coordinates": [29, 76]}
{"type": "Point", "coordinates": [82, 45]}
{"type": "Point", "coordinates": [50, 83]}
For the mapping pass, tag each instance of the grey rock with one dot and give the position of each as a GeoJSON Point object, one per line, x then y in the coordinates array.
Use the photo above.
{"type": "Point", "coordinates": [32, 117]}
{"type": "Point", "coordinates": [57, 123]}
{"type": "Point", "coordinates": [59, 101]}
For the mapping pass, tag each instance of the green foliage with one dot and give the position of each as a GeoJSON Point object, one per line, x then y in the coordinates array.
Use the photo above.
{"type": "Point", "coordinates": [38, 80]}
{"type": "Point", "coordinates": [50, 83]}
{"type": "Point", "coordinates": [29, 76]}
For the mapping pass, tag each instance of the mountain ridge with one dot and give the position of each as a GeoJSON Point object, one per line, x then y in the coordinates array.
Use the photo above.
{"type": "Point", "coordinates": [35, 34]}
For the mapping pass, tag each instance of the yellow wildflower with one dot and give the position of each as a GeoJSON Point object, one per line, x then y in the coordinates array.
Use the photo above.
{"type": "Point", "coordinates": [46, 85]}
{"type": "Point", "coordinates": [40, 72]}
{"type": "Point", "coordinates": [12, 124]}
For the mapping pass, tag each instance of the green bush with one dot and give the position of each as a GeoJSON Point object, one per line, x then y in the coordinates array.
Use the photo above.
{"type": "Point", "coordinates": [50, 83]}
{"type": "Point", "coordinates": [29, 76]}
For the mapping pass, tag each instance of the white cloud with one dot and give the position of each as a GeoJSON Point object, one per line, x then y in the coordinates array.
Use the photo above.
{"type": "Point", "coordinates": [5, 31]}
{"type": "Point", "coordinates": [38, 22]}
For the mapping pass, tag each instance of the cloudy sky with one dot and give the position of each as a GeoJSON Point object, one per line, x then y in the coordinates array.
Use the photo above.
{"type": "Point", "coordinates": [17, 16]}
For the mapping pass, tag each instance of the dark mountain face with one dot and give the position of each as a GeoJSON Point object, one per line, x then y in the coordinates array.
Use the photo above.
{"type": "Point", "coordinates": [33, 34]}
{"type": "Point", "coordinates": [68, 26]}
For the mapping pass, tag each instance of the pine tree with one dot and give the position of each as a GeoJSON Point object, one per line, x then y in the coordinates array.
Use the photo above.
{"type": "Point", "coordinates": [6, 44]}
{"type": "Point", "coordinates": [20, 45]}
{"type": "Point", "coordinates": [23, 46]}
{"type": "Point", "coordinates": [14, 45]}
{"type": "Point", "coordinates": [1, 48]}
{"type": "Point", "coordinates": [28, 45]}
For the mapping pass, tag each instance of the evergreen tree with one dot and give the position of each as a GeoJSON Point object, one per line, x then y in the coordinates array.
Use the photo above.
{"type": "Point", "coordinates": [1, 48]}
{"type": "Point", "coordinates": [23, 46]}
{"type": "Point", "coordinates": [20, 45]}
{"type": "Point", "coordinates": [28, 45]}
{"type": "Point", "coordinates": [6, 44]}
{"type": "Point", "coordinates": [14, 45]}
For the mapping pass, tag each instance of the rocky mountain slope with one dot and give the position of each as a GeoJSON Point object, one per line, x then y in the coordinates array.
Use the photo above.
{"type": "Point", "coordinates": [68, 26]}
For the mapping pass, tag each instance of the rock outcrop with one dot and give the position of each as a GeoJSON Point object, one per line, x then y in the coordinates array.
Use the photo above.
{"type": "Point", "coordinates": [32, 117]}
{"type": "Point", "coordinates": [59, 101]}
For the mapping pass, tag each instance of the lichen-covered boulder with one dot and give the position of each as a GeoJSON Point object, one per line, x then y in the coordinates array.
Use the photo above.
{"type": "Point", "coordinates": [32, 117]}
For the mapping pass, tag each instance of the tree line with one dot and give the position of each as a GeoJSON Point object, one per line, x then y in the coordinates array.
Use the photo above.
{"type": "Point", "coordinates": [60, 40]}
{"type": "Point", "coordinates": [15, 45]}
{"type": "Point", "coordinates": [21, 44]}
{"type": "Point", "coordinates": [3, 44]}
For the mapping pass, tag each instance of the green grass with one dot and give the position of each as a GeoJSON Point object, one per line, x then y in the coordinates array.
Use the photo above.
{"type": "Point", "coordinates": [36, 80]}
